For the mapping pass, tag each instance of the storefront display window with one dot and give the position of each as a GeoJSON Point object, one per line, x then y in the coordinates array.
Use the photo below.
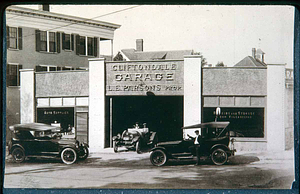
{"type": "Point", "coordinates": [244, 122]}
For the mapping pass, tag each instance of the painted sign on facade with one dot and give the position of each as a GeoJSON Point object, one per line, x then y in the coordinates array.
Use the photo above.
{"type": "Point", "coordinates": [140, 78]}
{"type": "Point", "coordinates": [289, 74]}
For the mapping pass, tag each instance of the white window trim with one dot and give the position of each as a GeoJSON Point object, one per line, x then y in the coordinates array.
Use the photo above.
{"type": "Point", "coordinates": [86, 46]}
{"type": "Point", "coordinates": [48, 44]}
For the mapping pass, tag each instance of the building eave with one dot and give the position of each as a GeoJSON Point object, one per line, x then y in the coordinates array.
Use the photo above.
{"type": "Point", "coordinates": [56, 16]}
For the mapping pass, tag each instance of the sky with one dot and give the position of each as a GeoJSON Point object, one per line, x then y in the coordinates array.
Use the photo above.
{"type": "Point", "coordinates": [221, 33]}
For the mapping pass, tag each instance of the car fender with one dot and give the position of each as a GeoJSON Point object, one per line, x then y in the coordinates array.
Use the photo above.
{"type": "Point", "coordinates": [219, 146]}
{"type": "Point", "coordinates": [84, 144]}
{"type": "Point", "coordinates": [160, 148]}
{"type": "Point", "coordinates": [68, 146]}
{"type": "Point", "coordinates": [15, 146]}
{"type": "Point", "coordinates": [135, 139]}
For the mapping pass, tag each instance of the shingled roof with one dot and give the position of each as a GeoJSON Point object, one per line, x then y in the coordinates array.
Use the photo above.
{"type": "Point", "coordinates": [250, 62]}
{"type": "Point", "coordinates": [132, 54]}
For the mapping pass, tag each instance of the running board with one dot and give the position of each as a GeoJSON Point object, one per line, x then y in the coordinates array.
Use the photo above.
{"type": "Point", "coordinates": [185, 157]}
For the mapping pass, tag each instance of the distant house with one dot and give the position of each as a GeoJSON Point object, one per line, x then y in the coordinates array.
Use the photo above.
{"type": "Point", "coordinates": [139, 55]}
{"type": "Point", "coordinates": [256, 60]}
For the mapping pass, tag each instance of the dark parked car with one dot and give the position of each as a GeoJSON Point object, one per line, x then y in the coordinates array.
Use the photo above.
{"type": "Point", "coordinates": [215, 145]}
{"type": "Point", "coordinates": [38, 139]}
{"type": "Point", "coordinates": [137, 139]}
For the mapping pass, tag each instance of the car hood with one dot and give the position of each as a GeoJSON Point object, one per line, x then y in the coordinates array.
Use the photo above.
{"type": "Point", "coordinates": [66, 141]}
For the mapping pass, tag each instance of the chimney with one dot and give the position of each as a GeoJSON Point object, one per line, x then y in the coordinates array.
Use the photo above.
{"type": "Point", "coordinates": [44, 7]}
{"type": "Point", "coordinates": [254, 53]}
{"type": "Point", "coordinates": [139, 45]}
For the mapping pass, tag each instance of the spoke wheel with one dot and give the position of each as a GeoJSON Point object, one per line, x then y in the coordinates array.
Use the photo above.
{"type": "Point", "coordinates": [84, 153]}
{"type": "Point", "coordinates": [18, 155]}
{"type": "Point", "coordinates": [219, 156]}
{"type": "Point", "coordinates": [68, 156]}
{"type": "Point", "coordinates": [158, 158]}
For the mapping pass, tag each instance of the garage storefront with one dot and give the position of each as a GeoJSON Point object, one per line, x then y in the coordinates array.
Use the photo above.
{"type": "Point", "coordinates": [166, 95]}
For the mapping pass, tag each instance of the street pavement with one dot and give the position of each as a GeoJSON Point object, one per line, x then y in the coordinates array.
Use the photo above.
{"type": "Point", "coordinates": [128, 170]}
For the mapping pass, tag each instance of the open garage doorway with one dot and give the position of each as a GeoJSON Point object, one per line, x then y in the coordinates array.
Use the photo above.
{"type": "Point", "coordinates": [162, 114]}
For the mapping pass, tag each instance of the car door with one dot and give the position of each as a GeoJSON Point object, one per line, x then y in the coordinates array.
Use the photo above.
{"type": "Point", "coordinates": [46, 144]}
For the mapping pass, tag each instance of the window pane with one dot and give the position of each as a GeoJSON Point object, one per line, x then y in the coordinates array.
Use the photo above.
{"type": "Point", "coordinates": [82, 45]}
{"type": "Point", "coordinates": [52, 68]}
{"type": "Point", "coordinates": [52, 47]}
{"type": "Point", "coordinates": [41, 68]}
{"type": "Point", "coordinates": [67, 42]}
{"type": "Point", "coordinates": [67, 68]}
{"type": "Point", "coordinates": [51, 37]}
{"type": "Point", "coordinates": [90, 46]}
{"type": "Point", "coordinates": [12, 38]}
{"type": "Point", "coordinates": [52, 43]}
{"type": "Point", "coordinates": [43, 42]}
{"type": "Point", "coordinates": [43, 35]}
{"type": "Point", "coordinates": [13, 75]}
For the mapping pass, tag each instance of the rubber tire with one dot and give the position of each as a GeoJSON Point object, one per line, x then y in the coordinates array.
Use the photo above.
{"type": "Point", "coordinates": [18, 155]}
{"type": "Point", "coordinates": [86, 153]}
{"type": "Point", "coordinates": [138, 147]}
{"type": "Point", "coordinates": [158, 158]}
{"type": "Point", "coordinates": [219, 153]}
{"type": "Point", "coordinates": [115, 147]}
{"type": "Point", "coordinates": [71, 151]}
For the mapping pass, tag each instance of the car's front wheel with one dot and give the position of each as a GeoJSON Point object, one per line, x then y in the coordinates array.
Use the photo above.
{"type": "Point", "coordinates": [138, 147]}
{"type": "Point", "coordinates": [115, 146]}
{"type": "Point", "coordinates": [219, 156]}
{"type": "Point", "coordinates": [158, 158]}
{"type": "Point", "coordinates": [83, 153]}
{"type": "Point", "coordinates": [18, 155]}
{"type": "Point", "coordinates": [68, 156]}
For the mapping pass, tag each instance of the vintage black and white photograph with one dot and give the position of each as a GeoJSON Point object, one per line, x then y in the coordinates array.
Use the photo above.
{"type": "Point", "coordinates": [149, 97]}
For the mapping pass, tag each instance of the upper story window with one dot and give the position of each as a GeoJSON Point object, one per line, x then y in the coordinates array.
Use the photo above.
{"type": "Point", "coordinates": [13, 74]}
{"type": "Point", "coordinates": [52, 42]}
{"type": "Point", "coordinates": [86, 46]}
{"type": "Point", "coordinates": [14, 37]}
{"type": "Point", "coordinates": [67, 41]}
{"type": "Point", "coordinates": [47, 41]}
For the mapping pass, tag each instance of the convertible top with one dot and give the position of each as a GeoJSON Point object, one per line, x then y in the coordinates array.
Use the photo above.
{"type": "Point", "coordinates": [33, 127]}
{"type": "Point", "coordinates": [209, 125]}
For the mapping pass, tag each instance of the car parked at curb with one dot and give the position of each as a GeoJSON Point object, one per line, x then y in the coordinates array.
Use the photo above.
{"type": "Point", "coordinates": [215, 145]}
{"type": "Point", "coordinates": [33, 140]}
